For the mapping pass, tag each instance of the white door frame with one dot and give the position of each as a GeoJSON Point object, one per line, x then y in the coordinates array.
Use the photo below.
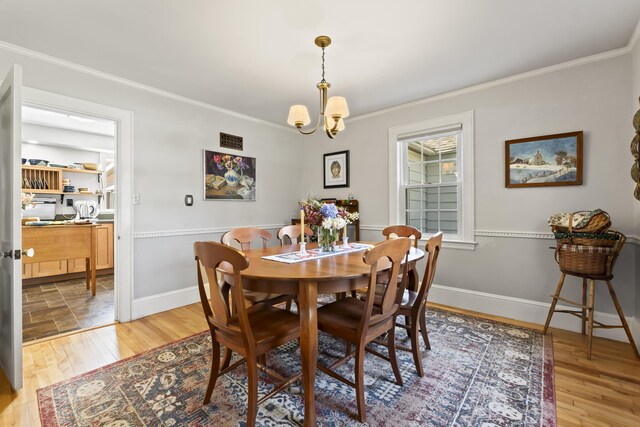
{"type": "Point", "coordinates": [123, 236]}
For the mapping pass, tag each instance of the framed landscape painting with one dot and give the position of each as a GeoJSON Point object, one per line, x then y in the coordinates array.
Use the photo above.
{"type": "Point", "coordinates": [543, 161]}
{"type": "Point", "coordinates": [336, 169]}
{"type": "Point", "coordinates": [229, 177]}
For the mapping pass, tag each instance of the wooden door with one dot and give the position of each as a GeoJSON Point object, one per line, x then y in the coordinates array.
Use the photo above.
{"type": "Point", "coordinates": [10, 227]}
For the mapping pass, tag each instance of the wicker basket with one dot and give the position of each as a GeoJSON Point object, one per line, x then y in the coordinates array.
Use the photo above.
{"type": "Point", "coordinates": [598, 223]}
{"type": "Point", "coordinates": [589, 260]}
{"type": "Point", "coordinates": [608, 239]}
{"type": "Point", "coordinates": [573, 261]}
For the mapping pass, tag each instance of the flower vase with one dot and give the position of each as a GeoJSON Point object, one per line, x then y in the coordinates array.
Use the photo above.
{"type": "Point", "coordinates": [232, 177]}
{"type": "Point", "coordinates": [327, 239]}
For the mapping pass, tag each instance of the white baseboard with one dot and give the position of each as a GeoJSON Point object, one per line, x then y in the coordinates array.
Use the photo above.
{"type": "Point", "coordinates": [527, 311]}
{"type": "Point", "coordinates": [162, 302]}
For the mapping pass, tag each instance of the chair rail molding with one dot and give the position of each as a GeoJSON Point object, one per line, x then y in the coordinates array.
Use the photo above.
{"type": "Point", "coordinates": [195, 231]}
{"type": "Point", "coordinates": [534, 235]}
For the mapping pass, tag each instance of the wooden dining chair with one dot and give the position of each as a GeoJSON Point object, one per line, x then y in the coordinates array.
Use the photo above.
{"type": "Point", "coordinates": [359, 322]}
{"type": "Point", "coordinates": [413, 304]}
{"type": "Point", "coordinates": [244, 237]}
{"type": "Point", "coordinates": [292, 232]}
{"type": "Point", "coordinates": [415, 235]}
{"type": "Point", "coordinates": [250, 332]}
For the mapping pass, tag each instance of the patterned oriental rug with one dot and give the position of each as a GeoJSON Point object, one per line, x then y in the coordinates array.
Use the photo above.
{"type": "Point", "coordinates": [478, 373]}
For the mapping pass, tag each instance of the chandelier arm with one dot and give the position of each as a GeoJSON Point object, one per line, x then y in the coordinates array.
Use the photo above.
{"type": "Point", "coordinates": [329, 134]}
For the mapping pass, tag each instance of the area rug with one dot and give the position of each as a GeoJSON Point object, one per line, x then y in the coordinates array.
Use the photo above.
{"type": "Point", "coordinates": [477, 373]}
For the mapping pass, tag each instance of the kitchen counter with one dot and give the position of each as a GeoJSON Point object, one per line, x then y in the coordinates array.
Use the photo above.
{"type": "Point", "coordinates": [63, 242]}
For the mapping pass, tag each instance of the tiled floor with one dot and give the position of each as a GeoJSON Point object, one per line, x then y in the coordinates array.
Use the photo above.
{"type": "Point", "coordinates": [54, 308]}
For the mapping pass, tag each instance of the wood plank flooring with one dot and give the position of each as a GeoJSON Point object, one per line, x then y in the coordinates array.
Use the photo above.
{"type": "Point", "coordinates": [604, 391]}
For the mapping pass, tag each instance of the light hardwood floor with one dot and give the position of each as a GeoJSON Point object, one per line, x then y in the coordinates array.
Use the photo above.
{"type": "Point", "coordinates": [604, 391]}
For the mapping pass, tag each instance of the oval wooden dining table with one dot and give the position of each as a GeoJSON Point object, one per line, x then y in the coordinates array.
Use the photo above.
{"type": "Point", "coordinates": [307, 279]}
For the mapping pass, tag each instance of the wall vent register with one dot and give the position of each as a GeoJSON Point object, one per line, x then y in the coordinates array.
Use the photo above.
{"type": "Point", "coordinates": [232, 142]}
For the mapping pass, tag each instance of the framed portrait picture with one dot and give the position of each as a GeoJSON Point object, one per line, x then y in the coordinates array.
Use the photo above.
{"type": "Point", "coordinates": [336, 169]}
{"type": "Point", "coordinates": [229, 177]}
{"type": "Point", "coordinates": [544, 161]}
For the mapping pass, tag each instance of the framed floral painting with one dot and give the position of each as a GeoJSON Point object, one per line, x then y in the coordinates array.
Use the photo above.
{"type": "Point", "coordinates": [229, 177]}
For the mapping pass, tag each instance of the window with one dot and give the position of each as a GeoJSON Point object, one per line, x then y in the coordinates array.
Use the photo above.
{"type": "Point", "coordinates": [431, 182]}
{"type": "Point", "coordinates": [432, 177]}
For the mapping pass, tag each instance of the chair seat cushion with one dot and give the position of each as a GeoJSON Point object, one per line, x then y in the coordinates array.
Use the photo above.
{"type": "Point", "coordinates": [269, 323]}
{"type": "Point", "coordinates": [344, 313]}
{"type": "Point", "coordinates": [408, 297]}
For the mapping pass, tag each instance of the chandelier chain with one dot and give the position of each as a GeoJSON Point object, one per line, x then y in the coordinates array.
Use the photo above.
{"type": "Point", "coordinates": [323, 80]}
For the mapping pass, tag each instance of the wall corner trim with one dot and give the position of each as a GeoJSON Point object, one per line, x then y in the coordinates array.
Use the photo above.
{"type": "Point", "coordinates": [635, 38]}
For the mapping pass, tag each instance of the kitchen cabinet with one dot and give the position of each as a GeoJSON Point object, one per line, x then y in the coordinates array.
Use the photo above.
{"type": "Point", "coordinates": [26, 271]}
{"type": "Point", "coordinates": [104, 258]}
{"type": "Point", "coordinates": [48, 268]}
{"type": "Point", "coordinates": [104, 243]}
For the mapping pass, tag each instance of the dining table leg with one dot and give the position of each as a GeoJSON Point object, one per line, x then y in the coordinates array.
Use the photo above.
{"type": "Point", "coordinates": [307, 303]}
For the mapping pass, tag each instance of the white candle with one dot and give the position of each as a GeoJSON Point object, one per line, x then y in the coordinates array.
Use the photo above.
{"type": "Point", "coordinates": [301, 225]}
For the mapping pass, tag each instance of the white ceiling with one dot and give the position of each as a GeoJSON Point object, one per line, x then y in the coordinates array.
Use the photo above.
{"type": "Point", "coordinates": [257, 57]}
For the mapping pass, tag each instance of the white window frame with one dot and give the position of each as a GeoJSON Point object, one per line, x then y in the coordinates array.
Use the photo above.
{"type": "Point", "coordinates": [397, 134]}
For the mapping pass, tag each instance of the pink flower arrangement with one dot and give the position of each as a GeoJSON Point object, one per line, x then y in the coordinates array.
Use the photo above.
{"type": "Point", "coordinates": [314, 214]}
{"type": "Point", "coordinates": [229, 162]}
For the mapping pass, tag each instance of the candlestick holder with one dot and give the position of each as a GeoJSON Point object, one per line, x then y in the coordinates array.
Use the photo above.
{"type": "Point", "coordinates": [345, 242]}
{"type": "Point", "coordinates": [303, 248]}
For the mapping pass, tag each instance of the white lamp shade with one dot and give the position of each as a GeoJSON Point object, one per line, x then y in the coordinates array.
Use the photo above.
{"type": "Point", "coordinates": [298, 114]}
{"type": "Point", "coordinates": [337, 106]}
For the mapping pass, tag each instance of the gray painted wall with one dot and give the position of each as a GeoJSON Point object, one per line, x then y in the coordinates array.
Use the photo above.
{"type": "Point", "coordinates": [592, 97]}
{"type": "Point", "coordinates": [168, 138]}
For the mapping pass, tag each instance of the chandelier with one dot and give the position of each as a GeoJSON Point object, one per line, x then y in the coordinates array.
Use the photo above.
{"type": "Point", "coordinates": [332, 110]}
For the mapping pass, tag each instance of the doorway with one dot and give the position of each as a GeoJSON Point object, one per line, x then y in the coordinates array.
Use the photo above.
{"type": "Point", "coordinates": [68, 171]}
{"type": "Point", "coordinates": [90, 145]}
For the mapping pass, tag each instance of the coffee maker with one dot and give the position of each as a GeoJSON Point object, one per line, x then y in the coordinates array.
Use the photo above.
{"type": "Point", "coordinates": [86, 209]}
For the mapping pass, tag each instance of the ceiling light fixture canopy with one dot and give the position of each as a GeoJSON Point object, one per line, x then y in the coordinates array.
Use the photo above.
{"type": "Point", "coordinates": [333, 111]}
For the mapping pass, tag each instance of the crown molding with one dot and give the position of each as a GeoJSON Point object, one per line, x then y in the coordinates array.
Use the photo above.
{"type": "Point", "coordinates": [633, 41]}
{"type": "Point", "coordinates": [503, 81]}
{"type": "Point", "coordinates": [106, 76]}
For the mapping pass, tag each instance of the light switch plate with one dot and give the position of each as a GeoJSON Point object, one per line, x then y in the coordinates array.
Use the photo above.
{"type": "Point", "coordinates": [136, 198]}
{"type": "Point", "coordinates": [188, 200]}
